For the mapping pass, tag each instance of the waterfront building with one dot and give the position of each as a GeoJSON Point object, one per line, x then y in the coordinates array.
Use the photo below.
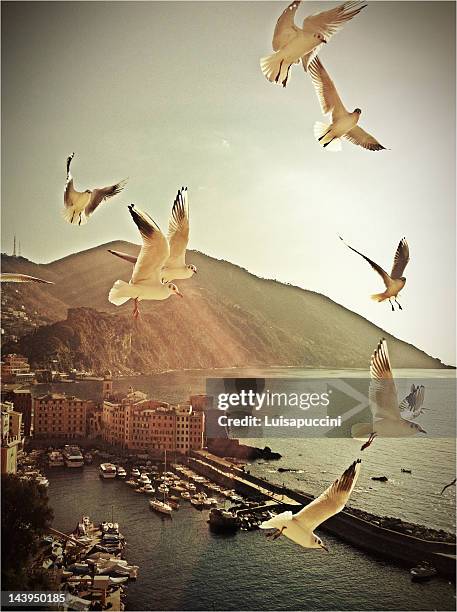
{"type": "Point", "coordinates": [143, 425]}
{"type": "Point", "coordinates": [57, 415]}
{"type": "Point", "coordinates": [22, 400]}
{"type": "Point", "coordinates": [11, 438]}
{"type": "Point", "coordinates": [16, 367]}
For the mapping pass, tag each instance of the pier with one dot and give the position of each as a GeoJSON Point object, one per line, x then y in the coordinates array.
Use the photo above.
{"type": "Point", "coordinates": [364, 534]}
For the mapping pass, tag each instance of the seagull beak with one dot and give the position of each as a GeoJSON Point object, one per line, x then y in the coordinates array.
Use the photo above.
{"type": "Point", "coordinates": [179, 293]}
{"type": "Point", "coordinates": [324, 41]}
{"type": "Point", "coordinates": [422, 430]}
{"type": "Point", "coordinates": [325, 547]}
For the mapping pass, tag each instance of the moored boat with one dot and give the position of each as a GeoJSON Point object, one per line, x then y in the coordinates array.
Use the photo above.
{"type": "Point", "coordinates": [121, 473]}
{"type": "Point", "coordinates": [55, 459]}
{"type": "Point", "coordinates": [160, 506]}
{"type": "Point", "coordinates": [107, 470]}
{"type": "Point", "coordinates": [72, 456]}
{"type": "Point", "coordinates": [223, 520]}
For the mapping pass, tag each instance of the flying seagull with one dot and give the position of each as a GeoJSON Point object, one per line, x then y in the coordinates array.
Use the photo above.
{"type": "Point", "coordinates": [178, 236]}
{"type": "Point", "coordinates": [292, 44]}
{"type": "Point", "coordinates": [79, 205]}
{"type": "Point", "coordinates": [412, 406]}
{"type": "Point", "coordinates": [344, 124]}
{"type": "Point", "coordinates": [146, 281]}
{"type": "Point", "coordinates": [387, 420]}
{"type": "Point", "coordinates": [300, 527]}
{"type": "Point", "coordinates": [11, 277]}
{"type": "Point", "coordinates": [395, 281]}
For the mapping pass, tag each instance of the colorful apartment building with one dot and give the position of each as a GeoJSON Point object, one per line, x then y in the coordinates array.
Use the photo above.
{"type": "Point", "coordinates": [11, 438]}
{"type": "Point", "coordinates": [140, 424]}
{"type": "Point", "coordinates": [57, 415]}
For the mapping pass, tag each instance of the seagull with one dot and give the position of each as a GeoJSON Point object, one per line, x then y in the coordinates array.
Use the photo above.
{"type": "Point", "coordinates": [299, 527]}
{"type": "Point", "coordinates": [395, 281]}
{"type": "Point", "coordinates": [10, 277]}
{"type": "Point", "coordinates": [344, 124]}
{"type": "Point", "coordinates": [178, 236]}
{"type": "Point", "coordinates": [412, 406]}
{"type": "Point", "coordinates": [292, 44]}
{"type": "Point", "coordinates": [146, 282]}
{"type": "Point", "coordinates": [79, 205]}
{"type": "Point", "coordinates": [387, 420]}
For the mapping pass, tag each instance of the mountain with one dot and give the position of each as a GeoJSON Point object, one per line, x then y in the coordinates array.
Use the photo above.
{"type": "Point", "coordinates": [228, 317]}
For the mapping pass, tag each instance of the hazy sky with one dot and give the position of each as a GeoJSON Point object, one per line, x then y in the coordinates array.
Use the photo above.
{"type": "Point", "coordinates": [171, 94]}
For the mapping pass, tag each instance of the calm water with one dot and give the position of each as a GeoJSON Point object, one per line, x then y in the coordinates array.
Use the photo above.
{"type": "Point", "coordinates": [183, 566]}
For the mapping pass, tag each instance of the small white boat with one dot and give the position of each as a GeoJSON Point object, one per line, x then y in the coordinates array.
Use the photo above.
{"type": "Point", "coordinates": [121, 473]}
{"type": "Point", "coordinates": [163, 488]}
{"type": "Point", "coordinates": [148, 489]}
{"type": "Point", "coordinates": [131, 483]}
{"type": "Point", "coordinates": [160, 506]}
{"type": "Point", "coordinates": [185, 495]}
{"type": "Point", "coordinates": [144, 479]}
{"type": "Point", "coordinates": [107, 470]}
{"type": "Point", "coordinates": [55, 459]}
{"type": "Point", "coordinates": [135, 473]}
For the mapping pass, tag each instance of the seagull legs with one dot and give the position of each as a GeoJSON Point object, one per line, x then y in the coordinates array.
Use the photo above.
{"type": "Point", "coordinates": [369, 441]}
{"type": "Point", "coordinates": [275, 534]}
{"type": "Point", "coordinates": [398, 303]}
{"type": "Point", "coordinates": [136, 310]}
{"type": "Point", "coordinates": [284, 83]}
{"type": "Point", "coordinates": [391, 305]}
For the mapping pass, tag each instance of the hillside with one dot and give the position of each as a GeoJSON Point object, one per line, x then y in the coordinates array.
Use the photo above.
{"type": "Point", "coordinates": [228, 317]}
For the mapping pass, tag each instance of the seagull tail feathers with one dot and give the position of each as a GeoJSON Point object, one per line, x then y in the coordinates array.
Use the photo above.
{"type": "Point", "coordinates": [361, 430]}
{"type": "Point", "coordinates": [120, 293]}
{"type": "Point", "coordinates": [378, 297]}
{"type": "Point", "coordinates": [278, 521]}
{"type": "Point", "coordinates": [75, 218]}
{"type": "Point", "coordinates": [275, 68]}
{"type": "Point", "coordinates": [320, 133]}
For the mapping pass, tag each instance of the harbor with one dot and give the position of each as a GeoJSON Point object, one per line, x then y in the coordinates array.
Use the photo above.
{"type": "Point", "coordinates": [185, 565]}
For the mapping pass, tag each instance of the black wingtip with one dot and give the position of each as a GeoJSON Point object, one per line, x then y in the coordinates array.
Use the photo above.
{"type": "Point", "coordinates": [131, 206]}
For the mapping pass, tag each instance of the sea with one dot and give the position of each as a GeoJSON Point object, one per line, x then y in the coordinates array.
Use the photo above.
{"type": "Point", "coordinates": [184, 566]}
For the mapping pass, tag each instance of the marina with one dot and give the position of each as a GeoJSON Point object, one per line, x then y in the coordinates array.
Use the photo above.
{"type": "Point", "coordinates": [183, 563]}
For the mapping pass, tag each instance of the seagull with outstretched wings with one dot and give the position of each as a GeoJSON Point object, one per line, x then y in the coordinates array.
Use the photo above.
{"type": "Point", "coordinates": [178, 237]}
{"type": "Point", "coordinates": [412, 406]}
{"type": "Point", "coordinates": [79, 205]}
{"type": "Point", "coordinates": [300, 527]}
{"type": "Point", "coordinates": [387, 420]}
{"type": "Point", "coordinates": [146, 282]}
{"type": "Point", "coordinates": [293, 44]}
{"type": "Point", "coordinates": [394, 282]}
{"type": "Point", "coordinates": [344, 123]}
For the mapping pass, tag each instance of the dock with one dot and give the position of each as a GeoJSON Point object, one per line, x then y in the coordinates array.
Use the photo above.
{"type": "Point", "coordinates": [367, 535]}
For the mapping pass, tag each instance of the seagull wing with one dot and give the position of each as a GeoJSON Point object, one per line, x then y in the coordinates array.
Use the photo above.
{"type": "Point", "coordinates": [285, 28]}
{"type": "Point", "coordinates": [326, 92]}
{"type": "Point", "coordinates": [131, 258]}
{"type": "Point", "coordinates": [382, 393]}
{"type": "Point", "coordinates": [401, 259]}
{"type": "Point", "coordinates": [385, 277]}
{"type": "Point", "coordinates": [100, 195]}
{"type": "Point", "coordinates": [178, 230]}
{"type": "Point", "coordinates": [154, 252]}
{"type": "Point", "coordinates": [329, 22]}
{"type": "Point", "coordinates": [411, 406]}
{"type": "Point", "coordinates": [330, 502]}
{"type": "Point", "coordinates": [10, 277]}
{"type": "Point", "coordinates": [359, 137]}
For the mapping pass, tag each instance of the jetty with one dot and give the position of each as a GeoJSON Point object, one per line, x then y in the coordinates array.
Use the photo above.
{"type": "Point", "coordinates": [380, 537]}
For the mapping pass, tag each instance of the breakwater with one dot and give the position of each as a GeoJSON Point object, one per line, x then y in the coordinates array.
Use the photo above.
{"type": "Point", "coordinates": [366, 533]}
